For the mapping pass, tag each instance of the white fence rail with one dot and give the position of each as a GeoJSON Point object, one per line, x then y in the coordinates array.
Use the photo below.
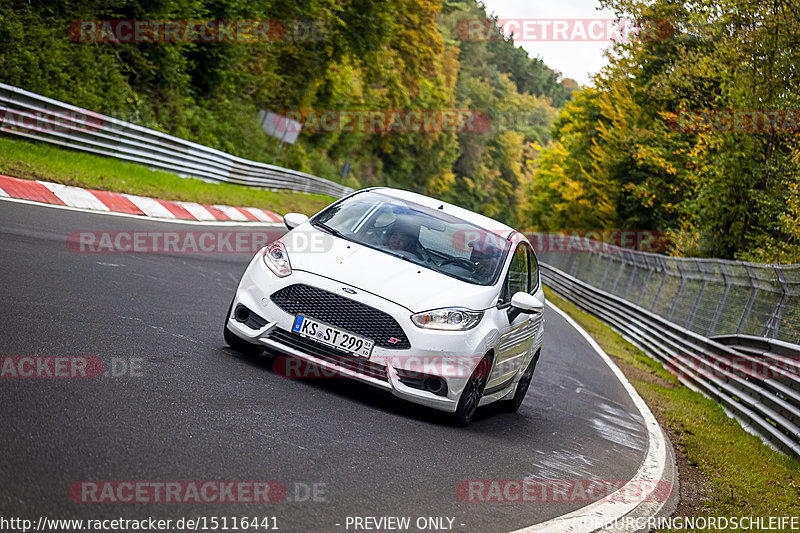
{"type": "Point", "coordinates": [707, 296]}
{"type": "Point", "coordinates": [756, 379]}
{"type": "Point", "coordinates": [35, 117]}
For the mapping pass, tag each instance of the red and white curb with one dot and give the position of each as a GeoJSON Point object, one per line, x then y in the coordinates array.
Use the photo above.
{"type": "Point", "coordinates": [57, 194]}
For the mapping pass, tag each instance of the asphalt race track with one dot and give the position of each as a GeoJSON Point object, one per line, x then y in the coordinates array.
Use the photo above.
{"type": "Point", "coordinates": [192, 409]}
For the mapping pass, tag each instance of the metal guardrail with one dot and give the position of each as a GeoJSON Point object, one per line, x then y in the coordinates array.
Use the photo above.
{"type": "Point", "coordinates": [32, 116]}
{"type": "Point", "coordinates": [761, 347]}
{"type": "Point", "coordinates": [707, 296]}
{"type": "Point", "coordinates": [759, 384]}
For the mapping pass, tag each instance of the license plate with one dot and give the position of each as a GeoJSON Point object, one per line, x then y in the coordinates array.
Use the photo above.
{"type": "Point", "coordinates": [332, 336]}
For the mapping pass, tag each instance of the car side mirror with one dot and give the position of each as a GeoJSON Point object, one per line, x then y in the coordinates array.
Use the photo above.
{"type": "Point", "coordinates": [527, 303]}
{"type": "Point", "coordinates": [292, 220]}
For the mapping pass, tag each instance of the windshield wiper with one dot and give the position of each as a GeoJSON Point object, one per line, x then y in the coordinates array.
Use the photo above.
{"type": "Point", "coordinates": [330, 230]}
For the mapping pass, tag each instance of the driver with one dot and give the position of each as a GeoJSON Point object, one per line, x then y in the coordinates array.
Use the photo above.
{"type": "Point", "coordinates": [485, 260]}
{"type": "Point", "coordinates": [403, 238]}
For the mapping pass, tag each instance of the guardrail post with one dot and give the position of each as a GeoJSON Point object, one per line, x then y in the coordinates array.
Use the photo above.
{"type": "Point", "coordinates": [749, 306]}
{"type": "Point", "coordinates": [696, 305]}
{"type": "Point", "coordinates": [644, 285]}
{"type": "Point", "coordinates": [721, 303]}
{"type": "Point", "coordinates": [593, 275]}
{"type": "Point", "coordinates": [677, 294]}
{"type": "Point", "coordinates": [632, 276]}
{"type": "Point", "coordinates": [619, 274]}
{"type": "Point", "coordinates": [572, 266]}
{"type": "Point", "coordinates": [661, 286]}
{"type": "Point", "coordinates": [610, 259]}
{"type": "Point", "coordinates": [774, 322]}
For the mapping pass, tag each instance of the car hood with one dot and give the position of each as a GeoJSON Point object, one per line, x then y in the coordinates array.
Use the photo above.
{"type": "Point", "coordinates": [414, 287]}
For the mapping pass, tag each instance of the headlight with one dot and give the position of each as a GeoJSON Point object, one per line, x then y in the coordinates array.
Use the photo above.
{"type": "Point", "coordinates": [277, 259]}
{"type": "Point", "coordinates": [452, 319]}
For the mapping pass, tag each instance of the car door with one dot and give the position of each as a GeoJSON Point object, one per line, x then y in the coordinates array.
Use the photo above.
{"type": "Point", "coordinates": [516, 334]}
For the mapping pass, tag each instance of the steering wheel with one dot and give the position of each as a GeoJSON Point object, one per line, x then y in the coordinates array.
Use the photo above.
{"type": "Point", "coordinates": [422, 254]}
{"type": "Point", "coordinates": [466, 263]}
{"type": "Point", "coordinates": [375, 235]}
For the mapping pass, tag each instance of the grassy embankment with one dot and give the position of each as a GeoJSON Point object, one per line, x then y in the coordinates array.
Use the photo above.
{"type": "Point", "coordinates": [26, 160]}
{"type": "Point", "coordinates": [725, 470]}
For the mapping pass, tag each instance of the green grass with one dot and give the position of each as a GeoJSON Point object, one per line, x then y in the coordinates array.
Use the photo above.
{"type": "Point", "coordinates": [44, 162]}
{"type": "Point", "coordinates": [740, 475]}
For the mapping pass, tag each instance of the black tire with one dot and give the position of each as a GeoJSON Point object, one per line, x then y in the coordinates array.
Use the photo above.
{"type": "Point", "coordinates": [513, 405]}
{"type": "Point", "coordinates": [472, 393]}
{"type": "Point", "coordinates": [238, 344]}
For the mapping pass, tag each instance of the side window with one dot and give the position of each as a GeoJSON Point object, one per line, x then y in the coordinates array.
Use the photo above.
{"type": "Point", "coordinates": [534, 264]}
{"type": "Point", "coordinates": [518, 278]}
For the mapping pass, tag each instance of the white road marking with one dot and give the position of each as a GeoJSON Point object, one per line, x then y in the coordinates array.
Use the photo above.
{"type": "Point", "coordinates": [231, 212]}
{"type": "Point", "coordinates": [150, 206]}
{"type": "Point", "coordinates": [144, 218]}
{"type": "Point", "coordinates": [197, 211]}
{"type": "Point", "coordinates": [3, 193]}
{"type": "Point", "coordinates": [259, 214]}
{"type": "Point", "coordinates": [75, 196]}
{"type": "Point", "coordinates": [603, 514]}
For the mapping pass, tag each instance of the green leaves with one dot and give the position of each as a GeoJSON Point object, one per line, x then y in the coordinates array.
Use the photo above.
{"type": "Point", "coordinates": [723, 192]}
{"type": "Point", "coordinates": [357, 55]}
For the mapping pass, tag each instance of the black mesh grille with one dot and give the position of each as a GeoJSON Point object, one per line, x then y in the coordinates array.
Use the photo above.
{"type": "Point", "coordinates": [329, 354]}
{"type": "Point", "coordinates": [343, 313]}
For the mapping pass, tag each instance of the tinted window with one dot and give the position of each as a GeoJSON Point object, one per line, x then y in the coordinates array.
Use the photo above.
{"type": "Point", "coordinates": [523, 273]}
{"type": "Point", "coordinates": [427, 237]}
{"type": "Point", "coordinates": [534, 265]}
{"type": "Point", "coordinates": [518, 279]}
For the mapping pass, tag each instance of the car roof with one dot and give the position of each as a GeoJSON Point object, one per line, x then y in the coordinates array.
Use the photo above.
{"type": "Point", "coordinates": [472, 217]}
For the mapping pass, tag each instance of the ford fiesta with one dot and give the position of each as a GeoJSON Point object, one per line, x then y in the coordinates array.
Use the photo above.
{"type": "Point", "coordinates": [432, 302]}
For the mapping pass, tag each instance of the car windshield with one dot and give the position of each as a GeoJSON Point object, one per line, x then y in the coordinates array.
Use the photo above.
{"type": "Point", "coordinates": [426, 237]}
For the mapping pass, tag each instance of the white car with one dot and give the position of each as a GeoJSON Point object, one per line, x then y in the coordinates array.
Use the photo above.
{"type": "Point", "coordinates": [432, 302]}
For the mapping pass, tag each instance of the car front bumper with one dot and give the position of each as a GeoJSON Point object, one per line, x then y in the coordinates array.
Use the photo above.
{"type": "Point", "coordinates": [445, 354]}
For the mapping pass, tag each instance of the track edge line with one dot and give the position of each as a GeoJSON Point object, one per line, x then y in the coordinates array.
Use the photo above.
{"type": "Point", "coordinates": [653, 469]}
